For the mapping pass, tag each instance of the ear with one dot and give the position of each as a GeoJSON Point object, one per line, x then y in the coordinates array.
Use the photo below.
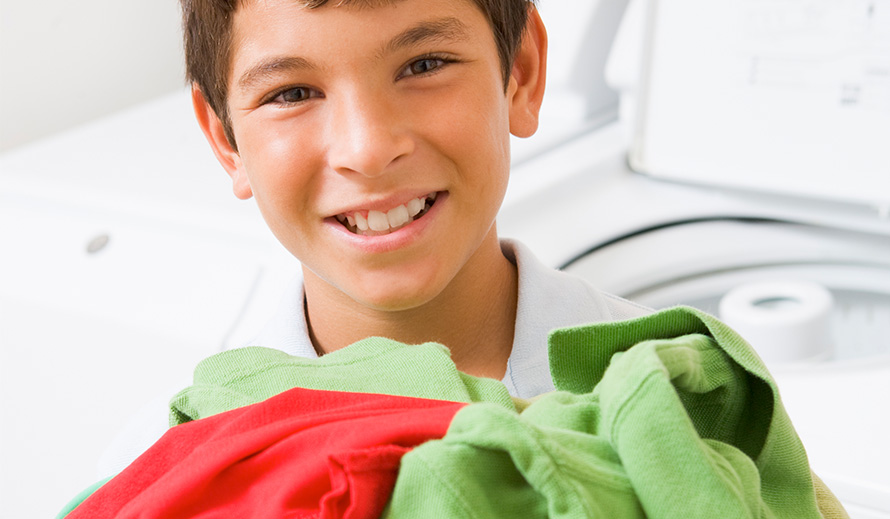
{"type": "Point", "coordinates": [527, 79]}
{"type": "Point", "coordinates": [225, 153]}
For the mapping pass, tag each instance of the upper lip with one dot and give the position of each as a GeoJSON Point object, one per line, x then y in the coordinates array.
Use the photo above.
{"type": "Point", "coordinates": [384, 203]}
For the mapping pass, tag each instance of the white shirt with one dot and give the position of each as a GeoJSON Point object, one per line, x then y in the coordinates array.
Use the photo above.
{"type": "Point", "coordinates": [548, 299]}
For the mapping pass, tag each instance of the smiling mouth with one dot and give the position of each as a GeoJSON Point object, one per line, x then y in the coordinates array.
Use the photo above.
{"type": "Point", "coordinates": [378, 223]}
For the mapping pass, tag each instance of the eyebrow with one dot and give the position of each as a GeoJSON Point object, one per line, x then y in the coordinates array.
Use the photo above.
{"type": "Point", "coordinates": [271, 67]}
{"type": "Point", "coordinates": [433, 31]}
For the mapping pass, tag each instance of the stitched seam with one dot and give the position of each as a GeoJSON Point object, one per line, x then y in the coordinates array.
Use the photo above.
{"type": "Point", "coordinates": [626, 403]}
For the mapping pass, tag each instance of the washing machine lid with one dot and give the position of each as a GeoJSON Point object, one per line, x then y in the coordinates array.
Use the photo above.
{"type": "Point", "coordinates": [788, 97]}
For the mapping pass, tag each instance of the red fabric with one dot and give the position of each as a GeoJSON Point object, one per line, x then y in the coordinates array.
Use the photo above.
{"type": "Point", "coordinates": [303, 453]}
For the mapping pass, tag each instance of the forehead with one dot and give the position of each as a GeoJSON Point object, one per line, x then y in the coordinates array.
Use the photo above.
{"type": "Point", "coordinates": [355, 5]}
{"type": "Point", "coordinates": [315, 6]}
{"type": "Point", "coordinates": [275, 30]}
{"type": "Point", "coordinates": [312, 4]}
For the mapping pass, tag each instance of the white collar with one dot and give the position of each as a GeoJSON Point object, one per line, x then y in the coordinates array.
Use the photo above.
{"type": "Point", "coordinates": [548, 299]}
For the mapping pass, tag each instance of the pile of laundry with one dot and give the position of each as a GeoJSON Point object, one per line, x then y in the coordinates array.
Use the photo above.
{"type": "Point", "coordinates": [668, 415]}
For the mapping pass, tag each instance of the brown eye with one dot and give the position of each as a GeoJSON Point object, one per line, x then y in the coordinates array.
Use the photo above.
{"type": "Point", "coordinates": [295, 95]}
{"type": "Point", "coordinates": [423, 66]}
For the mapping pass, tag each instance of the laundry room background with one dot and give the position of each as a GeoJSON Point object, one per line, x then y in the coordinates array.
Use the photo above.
{"type": "Point", "coordinates": [118, 224]}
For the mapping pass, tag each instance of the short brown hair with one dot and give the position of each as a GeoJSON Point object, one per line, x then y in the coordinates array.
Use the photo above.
{"type": "Point", "coordinates": [207, 34]}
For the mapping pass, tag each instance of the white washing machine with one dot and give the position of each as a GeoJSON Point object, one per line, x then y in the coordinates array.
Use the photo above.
{"type": "Point", "coordinates": [750, 166]}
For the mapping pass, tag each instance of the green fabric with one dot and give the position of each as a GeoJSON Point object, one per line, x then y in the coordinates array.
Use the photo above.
{"type": "Point", "coordinates": [646, 422]}
{"type": "Point", "coordinates": [759, 425]}
{"type": "Point", "coordinates": [246, 376]}
{"type": "Point", "coordinates": [540, 464]}
{"type": "Point", "coordinates": [686, 425]}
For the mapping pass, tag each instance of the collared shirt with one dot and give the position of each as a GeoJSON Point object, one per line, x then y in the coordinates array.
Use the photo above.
{"type": "Point", "coordinates": [548, 299]}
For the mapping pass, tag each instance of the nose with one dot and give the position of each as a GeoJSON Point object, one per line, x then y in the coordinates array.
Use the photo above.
{"type": "Point", "coordinates": [367, 134]}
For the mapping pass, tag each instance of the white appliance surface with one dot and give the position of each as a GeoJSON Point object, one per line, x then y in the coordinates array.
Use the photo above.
{"type": "Point", "coordinates": [776, 96]}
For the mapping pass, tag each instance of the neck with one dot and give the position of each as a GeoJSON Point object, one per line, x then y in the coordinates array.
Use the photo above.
{"type": "Point", "coordinates": [474, 316]}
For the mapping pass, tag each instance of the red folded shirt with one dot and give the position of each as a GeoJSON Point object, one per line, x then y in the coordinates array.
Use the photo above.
{"type": "Point", "coordinates": [303, 453]}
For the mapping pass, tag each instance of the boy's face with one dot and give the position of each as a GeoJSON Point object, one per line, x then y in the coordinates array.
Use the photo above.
{"type": "Point", "coordinates": [339, 112]}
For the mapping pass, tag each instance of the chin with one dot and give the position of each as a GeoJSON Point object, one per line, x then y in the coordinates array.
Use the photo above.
{"type": "Point", "coordinates": [396, 296]}
{"type": "Point", "coordinates": [394, 302]}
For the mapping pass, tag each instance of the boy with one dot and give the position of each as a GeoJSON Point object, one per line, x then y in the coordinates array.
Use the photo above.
{"type": "Point", "coordinates": [374, 136]}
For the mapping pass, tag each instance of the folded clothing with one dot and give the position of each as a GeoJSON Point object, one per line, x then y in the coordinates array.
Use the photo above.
{"type": "Point", "coordinates": [742, 408]}
{"type": "Point", "coordinates": [246, 376]}
{"type": "Point", "coordinates": [668, 415]}
{"type": "Point", "coordinates": [627, 449]}
{"type": "Point", "coordinates": [302, 453]}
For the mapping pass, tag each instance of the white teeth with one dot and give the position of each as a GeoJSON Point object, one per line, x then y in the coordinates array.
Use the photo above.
{"type": "Point", "coordinates": [415, 206]}
{"type": "Point", "coordinates": [380, 222]}
{"type": "Point", "coordinates": [398, 216]}
{"type": "Point", "coordinates": [360, 222]}
{"type": "Point", "coordinates": [377, 221]}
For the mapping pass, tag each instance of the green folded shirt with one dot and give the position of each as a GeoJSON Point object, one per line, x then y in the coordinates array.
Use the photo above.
{"type": "Point", "coordinates": [745, 412]}
{"type": "Point", "coordinates": [246, 376]}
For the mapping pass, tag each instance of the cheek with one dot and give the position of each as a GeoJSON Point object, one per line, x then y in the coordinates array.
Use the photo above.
{"type": "Point", "coordinates": [275, 160]}
{"type": "Point", "coordinates": [474, 127]}
{"type": "Point", "coordinates": [488, 139]}
{"type": "Point", "coordinates": [280, 171]}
